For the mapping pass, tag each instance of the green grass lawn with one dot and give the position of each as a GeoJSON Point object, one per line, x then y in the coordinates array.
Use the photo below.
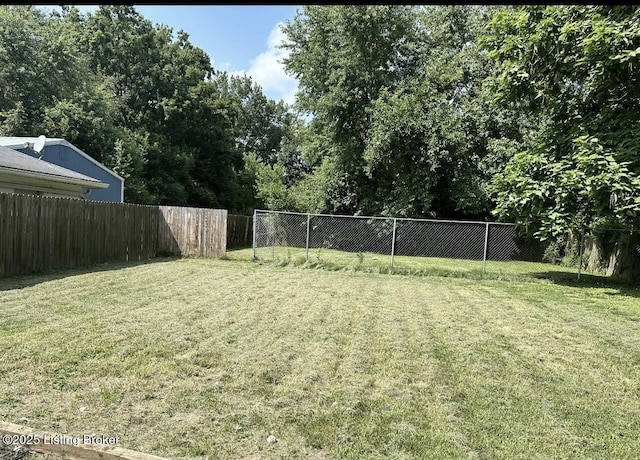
{"type": "Point", "coordinates": [198, 358]}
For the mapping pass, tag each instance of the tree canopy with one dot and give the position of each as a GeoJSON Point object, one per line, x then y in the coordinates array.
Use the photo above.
{"type": "Point", "coordinates": [575, 68]}
{"type": "Point", "coordinates": [403, 124]}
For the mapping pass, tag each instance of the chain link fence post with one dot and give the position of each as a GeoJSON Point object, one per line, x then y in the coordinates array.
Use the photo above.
{"type": "Point", "coordinates": [580, 255]}
{"type": "Point", "coordinates": [393, 240]}
{"type": "Point", "coordinates": [255, 222]}
{"type": "Point", "coordinates": [308, 231]}
{"type": "Point", "coordinates": [486, 245]}
{"type": "Point", "coordinates": [273, 244]}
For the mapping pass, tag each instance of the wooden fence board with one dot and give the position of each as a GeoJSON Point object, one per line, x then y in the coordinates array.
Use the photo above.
{"type": "Point", "coordinates": [32, 232]}
{"type": "Point", "coordinates": [5, 219]}
{"type": "Point", "coordinates": [19, 240]}
{"type": "Point", "coordinates": [11, 238]}
{"type": "Point", "coordinates": [18, 208]}
{"type": "Point", "coordinates": [192, 231]}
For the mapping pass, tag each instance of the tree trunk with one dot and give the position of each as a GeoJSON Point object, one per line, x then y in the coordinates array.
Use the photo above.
{"type": "Point", "coordinates": [624, 262]}
{"type": "Point", "coordinates": [593, 254]}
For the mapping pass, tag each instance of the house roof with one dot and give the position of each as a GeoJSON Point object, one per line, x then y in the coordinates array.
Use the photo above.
{"type": "Point", "coordinates": [23, 164]}
{"type": "Point", "coordinates": [19, 143]}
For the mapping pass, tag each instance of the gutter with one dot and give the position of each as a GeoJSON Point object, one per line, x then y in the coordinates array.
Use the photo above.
{"type": "Point", "coordinates": [54, 178]}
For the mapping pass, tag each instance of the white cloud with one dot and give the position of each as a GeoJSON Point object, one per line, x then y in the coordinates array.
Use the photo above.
{"type": "Point", "coordinates": [222, 66]}
{"type": "Point", "coordinates": [267, 69]}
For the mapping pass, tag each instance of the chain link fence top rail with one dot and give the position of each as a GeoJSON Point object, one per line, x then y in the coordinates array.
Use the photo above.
{"type": "Point", "coordinates": [404, 242]}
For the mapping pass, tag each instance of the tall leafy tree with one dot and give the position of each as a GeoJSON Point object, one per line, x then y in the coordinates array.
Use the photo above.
{"type": "Point", "coordinates": [431, 145]}
{"type": "Point", "coordinates": [37, 68]}
{"type": "Point", "coordinates": [262, 132]}
{"type": "Point", "coordinates": [575, 68]}
{"type": "Point", "coordinates": [167, 91]}
{"type": "Point", "coordinates": [261, 123]}
{"type": "Point", "coordinates": [343, 57]}
{"type": "Point", "coordinates": [399, 106]}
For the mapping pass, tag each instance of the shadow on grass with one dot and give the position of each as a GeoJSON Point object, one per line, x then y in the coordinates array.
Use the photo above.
{"type": "Point", "coordinates": [23, 281]}
{"type": "Point", "coordinates": [587, 280]}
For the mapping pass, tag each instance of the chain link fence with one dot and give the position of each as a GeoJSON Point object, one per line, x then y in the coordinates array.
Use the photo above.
{"type": "Point", "coordinates": [411, 244]}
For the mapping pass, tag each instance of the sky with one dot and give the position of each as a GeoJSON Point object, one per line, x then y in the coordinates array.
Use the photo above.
{"type": "Point", "coordinates": [238, 39]}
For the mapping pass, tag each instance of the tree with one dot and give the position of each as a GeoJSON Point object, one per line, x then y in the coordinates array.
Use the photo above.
{"type": "Point", "coordinates": [168, 93]}
{"type": "Point", "coordinates": [261, 122]}
{"type": "Point", "coordinates": [575, 69]}
{"type": "Point", "coordinates": [263, 132]}
{"type": "Point", "coordinates": [37, 68]}
{"type": "Point", "coordinates": [430, 137]}
{"type": "Point", "coordinates": [399, 105]}
{"type": "Point", "coordinates": [343, 57]}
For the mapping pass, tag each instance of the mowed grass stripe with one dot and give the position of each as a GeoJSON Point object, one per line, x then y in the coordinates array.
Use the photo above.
{"type": "Point", "coordinates": [192, 357]}
{"type": "Point", "coordinates": [540, 375]}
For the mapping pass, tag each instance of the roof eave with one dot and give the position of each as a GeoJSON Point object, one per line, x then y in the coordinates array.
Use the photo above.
{"type": "Point", "coordinates": [54, 178]}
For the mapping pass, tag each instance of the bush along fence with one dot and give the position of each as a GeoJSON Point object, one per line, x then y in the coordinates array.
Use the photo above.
{"type": "Point", "coordinates": [40, 233]}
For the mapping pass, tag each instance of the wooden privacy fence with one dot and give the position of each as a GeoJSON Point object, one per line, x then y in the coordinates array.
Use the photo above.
{"type": "Point", "coordinates": [239, 231]}
{"type": "Point", "coordinates": [192, 231]}
{"type": "Point", "coordinates": [40, 233]}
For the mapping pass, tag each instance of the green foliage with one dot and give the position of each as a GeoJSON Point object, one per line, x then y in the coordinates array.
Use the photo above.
{"type": "Point", "coordinates": [573, 68]}
{"type": "Point", "coordinates": [400, 121]}
{"type": "Point", "coordinates": [36, 68]}
{"type": "Point", "coordinates": [319, 190]}
{"type": "Point", "coordinates": [14, 121]}
{"type": "Point", "coordinates": [271, 187]}
{"type": "Point", "coordinates": [165, 89]}
{"type": "Point", "coordinates": [408, 126]}
{"type": "Point", "coordinates": [343, 57]}
{"type": "Point", "coordinates": [261, 123]}
{"type": "Point", "coordinates": [585, 187]}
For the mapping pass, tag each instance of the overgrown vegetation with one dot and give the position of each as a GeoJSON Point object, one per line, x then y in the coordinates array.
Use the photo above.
{"type": "Point", "coordinates": [369, 262]}
{"type": "Point", "coordinates": [194, 357]}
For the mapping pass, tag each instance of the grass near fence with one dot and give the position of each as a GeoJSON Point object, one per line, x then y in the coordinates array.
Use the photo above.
{"type": "Point", "coordinates": [332, 259]}
{"type": "Point", "coordinates": [197, 358]}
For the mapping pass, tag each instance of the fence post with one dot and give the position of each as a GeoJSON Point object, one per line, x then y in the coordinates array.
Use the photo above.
{"type": "Point", "coordinates": [253, 244]}
{"type": "Point", "coordinates": [486, 245]}
{"type": "Point", "coordinates": [306, 249]}
{"type": "Point", "coordinates": [580, 256]}
{"type": "Point", "coordinates": [273, 236]}
{"type": "Point", "coordinates": [393, 241]}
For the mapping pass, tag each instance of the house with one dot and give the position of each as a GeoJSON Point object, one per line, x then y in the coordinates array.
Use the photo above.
{"type": "Point", "coordinates": [22, 173]}
{"type": "Point", "coordinates": [62, 153]}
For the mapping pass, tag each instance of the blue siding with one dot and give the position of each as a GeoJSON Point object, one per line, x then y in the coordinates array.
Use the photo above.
{"type": "Point", "coordinates": [66, 157]}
